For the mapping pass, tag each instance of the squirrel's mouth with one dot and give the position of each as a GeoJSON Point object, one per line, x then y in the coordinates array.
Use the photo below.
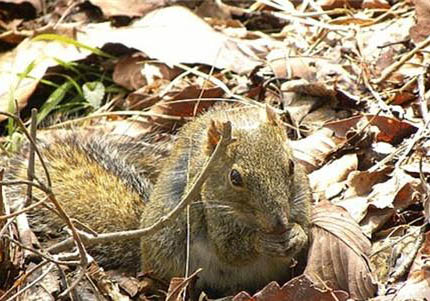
{"type": "Point", "coordinates": [282, 244]}
{"type": "Point", "coordinates": [276, 232]}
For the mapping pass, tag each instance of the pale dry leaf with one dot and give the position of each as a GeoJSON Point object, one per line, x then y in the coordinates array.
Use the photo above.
{"type": "Point", "coordinates": [332, 173]}
{"type": "Point", "coordinates": [175, 35]}
{"type": "Point", "coordinates": [358, 186]}
{"type": "Point", "coordinates": [31, 58]}
{"type": "Point", "coordinates": [361, 182]}
{"type": "Point", "coordinates": [130, 8]}
{"type": "Point", "coordinates": [338, 253]}
{"type": "Point", "coordinates": [314, 149]}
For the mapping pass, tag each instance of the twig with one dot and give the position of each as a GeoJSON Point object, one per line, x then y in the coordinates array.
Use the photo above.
{"type": "Point", "coordinates": [75, 282]}
{"type": "Point", "coordinates": [27, 134]}
{"type": "Point", "coordinates": [191, 195]}
{"type": "Point", "coordinates": [47, 190]}
{"type": "Point", "coordinates": [30, 167]}
{"type": "Point", "coordinates": [40, 254]}
{"type": "Point", "coordinates": [21, 280]}
{"type": "Point", "coordinates": [392, 68]}
{"type": "Point", "coordinates": [21, 211]}
{"type": "Point", "coordinates": [423, 101]}
{"type": "Point", "coordinates": [43, 275]}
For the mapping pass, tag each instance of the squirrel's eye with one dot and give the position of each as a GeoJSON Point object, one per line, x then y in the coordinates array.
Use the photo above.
{"type": "Point", "coordinates": [236, 178]}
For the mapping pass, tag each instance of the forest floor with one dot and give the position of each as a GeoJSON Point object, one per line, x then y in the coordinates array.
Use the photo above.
{"type": "Point", "coordinates": [350, 78]}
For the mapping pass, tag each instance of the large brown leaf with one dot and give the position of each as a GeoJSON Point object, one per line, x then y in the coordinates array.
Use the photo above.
{"type": "Point", "coordinates": [338, 254]}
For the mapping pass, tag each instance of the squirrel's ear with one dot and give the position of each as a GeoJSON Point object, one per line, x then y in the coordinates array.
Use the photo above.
{"type": "Point", "coordinates": [214, 136]}
{"type": "Point", "coordinates": [272, 117]}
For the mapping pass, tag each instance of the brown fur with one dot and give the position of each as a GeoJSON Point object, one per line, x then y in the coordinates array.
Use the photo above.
{"type": "Point", "coordinates": [89, 180]}
{"type": "Point", "coordinates": [242, 236]}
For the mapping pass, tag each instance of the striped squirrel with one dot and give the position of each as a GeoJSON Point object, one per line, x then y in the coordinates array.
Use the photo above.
{"type": "Point", "coordinates": [250, 222]}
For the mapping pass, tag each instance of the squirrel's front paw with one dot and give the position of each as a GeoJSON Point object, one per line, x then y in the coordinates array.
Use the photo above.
{"type": "Point", "coordinates": [286, 244]}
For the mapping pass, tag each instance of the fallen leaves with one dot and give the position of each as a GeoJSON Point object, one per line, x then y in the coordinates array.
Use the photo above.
{"type": "Point", "coordinates": [352, 81]}
{"type": "Point", "coordinates": [299, 288]}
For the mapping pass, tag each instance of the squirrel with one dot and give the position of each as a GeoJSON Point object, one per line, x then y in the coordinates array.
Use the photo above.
{"type": "Point", "coordinates": [249, 224]}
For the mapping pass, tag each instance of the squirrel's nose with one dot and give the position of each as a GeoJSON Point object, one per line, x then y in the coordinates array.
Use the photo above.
{"type": "Point", "coordinates": [279, 226]}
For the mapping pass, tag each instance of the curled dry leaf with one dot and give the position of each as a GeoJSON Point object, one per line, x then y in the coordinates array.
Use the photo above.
{"type": "Point", "coordinates": [31, 58]}
{"type": "Point", "coordinates": [299, 288]}
{"type": "Point", "coordinates": [338, 254]}
{"type": "Point", "coordinates": [169, 114]}
{"type": "Point", "coordinates": [332, 173]}
{"type": "Point", "coordinates": [175, 35]}
{"type": "Point", "coordinates": [313, 150]}
{"type": "Point", "coordinates": [391, 130]}
{"type": "Point", "coordinates": [397, 193]}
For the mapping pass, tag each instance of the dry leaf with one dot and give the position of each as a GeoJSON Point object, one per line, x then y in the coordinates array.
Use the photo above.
{"type": "Point", "coordinates": [332, 173]}
{"type": "Point", "coordinates": [376, 4]}
{"type": "Point", "coordinates": [332, 4]}
{"type": "Point", "coordinates": [313, 150]}
{"type": "Point", "coordinates": [176, 107]}
{"type": "Point", "coordinates": [178, 286]}
{"type": "Point", "coordinates": [133, 72]}
{"type": "Point", "coordinates": [400, 191]}
{"type": "Point", "coordinates": [176, 28]}
{"type": "Point", "coordinates": [34, 58]}
{"type": "Point", "coordinates": [391, 130]}
{"type": "Point", "coordinates": [299, 288]}
{"type": "Point", "coordinates": [417, 285]}
{"type": "Point", "coordinates": [421, 30]}
{"type": "Point", "coordinates": [338, 254]}
{"type": "Point", "coordinates": [130, 8]}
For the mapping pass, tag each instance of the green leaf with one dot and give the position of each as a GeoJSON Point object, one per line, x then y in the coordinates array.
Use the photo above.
{"type": "Point", "coordinates": [54, 99]}
{"type": "Point", "coordinates": [94, 93]}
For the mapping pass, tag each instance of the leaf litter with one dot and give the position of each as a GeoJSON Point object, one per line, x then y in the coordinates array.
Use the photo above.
{"type": "Point", "coordinates": [350, 78]}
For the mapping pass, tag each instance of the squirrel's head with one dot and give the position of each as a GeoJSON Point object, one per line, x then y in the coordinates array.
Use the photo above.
{"type": "Point", "coordinates": [255, 179]}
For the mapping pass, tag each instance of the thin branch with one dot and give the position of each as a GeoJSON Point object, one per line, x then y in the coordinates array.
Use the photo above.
{"type": "Point", "coordinates": [21, 211]}
{"type": "Point", "coordinates": [27, 134]}
{"type": "Point", "coordinates": [40, 254]}
{"type": "Point", "coordinates": [43, 275]}
{"type": "Point", "coordinates": [21, 280]}
{"type": "Point", "coordinates": [395, 66]}
{"type": "Point", "coordinates": [30, 167]}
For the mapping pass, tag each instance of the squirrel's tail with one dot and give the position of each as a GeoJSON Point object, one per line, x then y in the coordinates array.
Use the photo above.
{"type": "Point", "coordinates": [99, 181]}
